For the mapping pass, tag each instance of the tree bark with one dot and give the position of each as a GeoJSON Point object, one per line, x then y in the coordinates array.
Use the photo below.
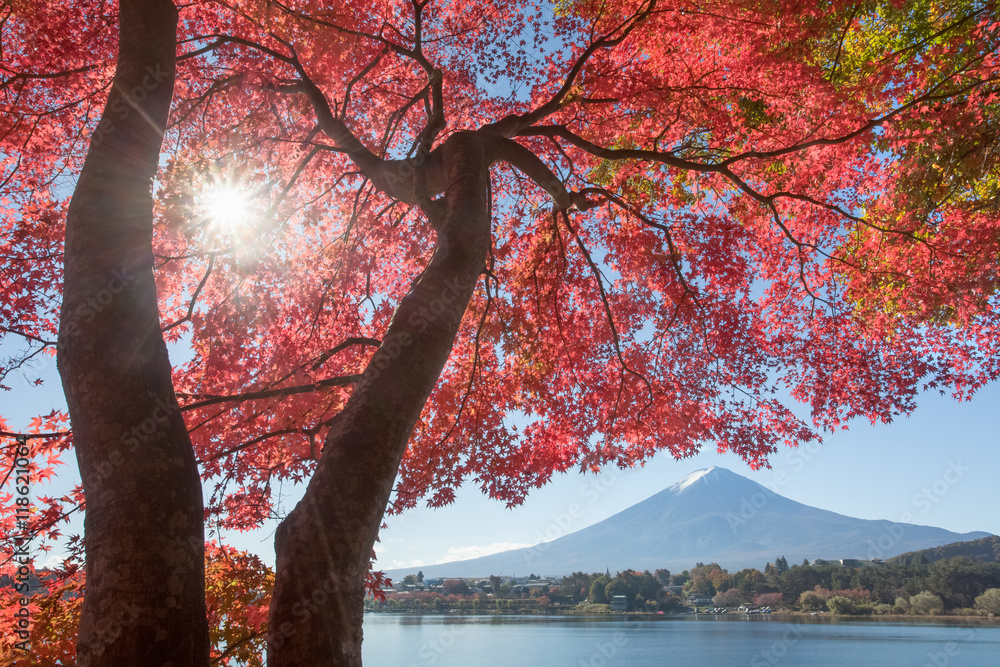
{"type": "Point", "coordinates": [144, 532]}
{"type": "Point", "coordinates": [325, 544]}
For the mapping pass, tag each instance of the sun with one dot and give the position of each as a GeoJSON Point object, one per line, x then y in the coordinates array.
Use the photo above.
{"type": "Point", "coordinates": [225, 207]}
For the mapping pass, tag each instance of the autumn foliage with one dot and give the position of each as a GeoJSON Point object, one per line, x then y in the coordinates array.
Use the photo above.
{"type": "Point", "coordinates": [702, 213]}
{"type": "Point", "coordinates": [237, 590]}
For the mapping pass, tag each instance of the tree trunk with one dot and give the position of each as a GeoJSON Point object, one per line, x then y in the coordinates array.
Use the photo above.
{"type": "Point", "coordinates": [144, 532]}
{"type": "Point", "coordinates": [325, 544]}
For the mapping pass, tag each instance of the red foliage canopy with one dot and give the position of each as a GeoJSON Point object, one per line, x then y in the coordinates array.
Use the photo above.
{"type": "Point", "coordinates": [750, 204]}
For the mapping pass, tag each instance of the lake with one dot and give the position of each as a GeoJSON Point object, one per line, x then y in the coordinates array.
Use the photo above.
{"type": "Point", "coordinates": [409, 640]}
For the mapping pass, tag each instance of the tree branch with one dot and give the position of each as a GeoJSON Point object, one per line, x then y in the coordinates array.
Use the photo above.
{"type": "Point", "coordinates": [212, 399]}
{"type": "Point", "coordinates": [512, 125]}
{"type": "Point", "coordinates": [354, 340]}
{"type": "Point", "coordinates": [616, 339]}
{"type": "Point", "coordinates": [194, 297]}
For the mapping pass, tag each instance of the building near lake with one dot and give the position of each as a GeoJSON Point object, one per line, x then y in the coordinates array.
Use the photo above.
{"type": "Point", "coordinates": [846, 562]}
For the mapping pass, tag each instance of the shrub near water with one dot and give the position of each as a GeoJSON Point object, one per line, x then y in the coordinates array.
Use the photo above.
{"type": "Point", "coordinates": [839, 604]}
{"type": "Point", "coordinates": [926, 602]}
{"type": "Point", "coordinates": [815, 600]}
{"type": "Point", "coordinates": [989, 601]}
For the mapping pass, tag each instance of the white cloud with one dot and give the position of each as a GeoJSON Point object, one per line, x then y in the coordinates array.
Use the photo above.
{"type": "Point", "coordinates": [386, 561]}
{"type": "Point", "coordinates": [401, 564]}
{"type": "Point", "coordinates": [465, 553]}
{"type": "Point", "coordinates": [51, 560]}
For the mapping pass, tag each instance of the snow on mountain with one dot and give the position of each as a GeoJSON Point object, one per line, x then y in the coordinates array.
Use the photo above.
{"type": "Point", "coordinates": [692, 478]}
{"type": "Point", "coordinates": [709, 515]}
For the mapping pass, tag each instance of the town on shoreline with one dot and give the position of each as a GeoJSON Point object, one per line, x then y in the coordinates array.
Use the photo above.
{"type": "Point", "coordinates": [907, 585]}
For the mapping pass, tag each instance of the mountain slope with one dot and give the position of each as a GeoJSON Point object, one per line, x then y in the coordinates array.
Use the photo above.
{"type": "Point", "coordinates": [710, 515]}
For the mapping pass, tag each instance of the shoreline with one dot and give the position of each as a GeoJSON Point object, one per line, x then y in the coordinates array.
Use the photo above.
{"type": "Point", "coordinates": [942, 619]}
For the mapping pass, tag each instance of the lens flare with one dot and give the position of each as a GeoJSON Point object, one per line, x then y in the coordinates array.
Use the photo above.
{"type": "Point", "coordinates": [226, 207]}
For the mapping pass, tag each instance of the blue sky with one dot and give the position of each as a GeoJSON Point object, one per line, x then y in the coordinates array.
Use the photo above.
{"type": "Point", "coordinates": [938, 467]}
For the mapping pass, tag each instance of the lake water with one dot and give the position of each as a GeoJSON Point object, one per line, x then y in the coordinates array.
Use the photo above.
{"type": "Point", "coordinates": [408, 640]}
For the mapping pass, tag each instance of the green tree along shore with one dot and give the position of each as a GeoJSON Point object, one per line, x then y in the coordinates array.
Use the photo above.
{"type": "Point", "coordinates": [959, 586]}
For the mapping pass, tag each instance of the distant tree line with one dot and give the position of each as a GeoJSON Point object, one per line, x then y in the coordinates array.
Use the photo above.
{"type": "Point", "coordinates": [912, 585]}
{"type": "Point", "coordinates": [958, 585]}
{"type": "Point", "coordinates": [958, 582]}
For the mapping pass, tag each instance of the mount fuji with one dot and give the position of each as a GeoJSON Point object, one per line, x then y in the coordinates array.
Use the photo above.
{"type": "Point", "coordinates": [711, 515]}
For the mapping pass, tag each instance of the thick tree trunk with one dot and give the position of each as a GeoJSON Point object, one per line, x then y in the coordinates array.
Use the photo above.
{"type": "Point", "coordinates": [144, 533]}
{"type": "Point", "coordinates": [324, 545]}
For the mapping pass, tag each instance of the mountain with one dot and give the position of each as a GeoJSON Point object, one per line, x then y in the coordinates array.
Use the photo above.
{"type": "Point", "coordinates": [986, 550]}
{"type": "Point", "coordinates": [710, 515]}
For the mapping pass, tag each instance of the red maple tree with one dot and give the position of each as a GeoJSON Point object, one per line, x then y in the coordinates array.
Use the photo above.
{"type": "Point", "coordinates": [419, 243]}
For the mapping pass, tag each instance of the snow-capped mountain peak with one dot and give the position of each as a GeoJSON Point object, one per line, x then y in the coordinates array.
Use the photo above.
{"type": "Point", "coordinates": [709, 515]}
{"type": "Point", "coordinates": [692, 478]}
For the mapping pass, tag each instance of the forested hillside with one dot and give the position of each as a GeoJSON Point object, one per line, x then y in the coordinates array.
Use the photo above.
{"type": "Point", "coordinates": [985, 550]}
